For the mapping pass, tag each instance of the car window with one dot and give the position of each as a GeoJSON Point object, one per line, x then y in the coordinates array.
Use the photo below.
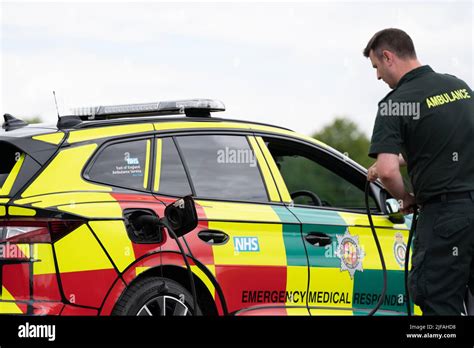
{"type": "Point", "coordinates": [123, 164]}
{"type": "Point", "coordinates": [170, 176]}
{"type": "Point", "coordinates": [10, 155]}
{"type": "Point", "coordinates": [305, 168]}
{"type": "Point", "coordinates": [223, 167]}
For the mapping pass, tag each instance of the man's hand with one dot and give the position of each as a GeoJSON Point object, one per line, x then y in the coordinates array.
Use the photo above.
{"type": "Point", "coordinates": [408, 203]}
{"type": "Point", "coordinates": [372, 174]}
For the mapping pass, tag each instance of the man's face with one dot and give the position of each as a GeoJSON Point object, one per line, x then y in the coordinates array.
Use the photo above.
{"type": "Point", "coordinates": [384, 69]}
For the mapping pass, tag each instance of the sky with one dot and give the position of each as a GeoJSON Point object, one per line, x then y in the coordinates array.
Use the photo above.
{"type": "Point", "coordinates": [296, 65]}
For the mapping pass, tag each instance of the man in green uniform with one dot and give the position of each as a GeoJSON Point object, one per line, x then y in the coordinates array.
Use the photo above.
{"type": "Point", "coordinates": [427, 122]}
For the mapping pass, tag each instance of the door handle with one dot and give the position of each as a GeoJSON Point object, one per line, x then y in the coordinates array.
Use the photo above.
{"type": "Point", "coordinates": [318, 239]}
{"type": "Point", "coordinates": [213, 236]}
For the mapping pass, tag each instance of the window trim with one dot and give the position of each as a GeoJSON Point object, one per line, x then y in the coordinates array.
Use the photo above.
{"type": "Point", "coordinates": [90, 163]}
{"type": "Point", "coordinates": [155, 160]}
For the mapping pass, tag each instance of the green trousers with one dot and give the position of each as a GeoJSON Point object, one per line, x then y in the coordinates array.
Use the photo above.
{"type": "Point", "coordinates": [443, 257]}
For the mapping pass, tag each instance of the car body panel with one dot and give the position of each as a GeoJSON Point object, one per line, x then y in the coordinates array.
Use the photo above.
{"type": "Point", "coordinates": [265, 268]}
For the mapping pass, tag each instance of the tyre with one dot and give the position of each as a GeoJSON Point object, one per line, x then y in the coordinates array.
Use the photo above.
{"type": "Point", "coordinates": [155, 296]}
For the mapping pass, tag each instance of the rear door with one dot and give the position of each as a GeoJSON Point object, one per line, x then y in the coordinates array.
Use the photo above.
{"type": "Point", "coordinates": [328, 199]}
{"type": "Point", "coordinates": [255, 244]}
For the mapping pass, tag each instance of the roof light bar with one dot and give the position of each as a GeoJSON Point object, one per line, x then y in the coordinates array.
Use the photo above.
{"type": "Point", "coordinates": [191, 107]}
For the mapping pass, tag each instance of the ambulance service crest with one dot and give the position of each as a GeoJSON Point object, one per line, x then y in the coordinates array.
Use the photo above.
{"type": "Point", "coordinates": [350, 253]}
{"type": "Point", "coordinates": [399, 249]}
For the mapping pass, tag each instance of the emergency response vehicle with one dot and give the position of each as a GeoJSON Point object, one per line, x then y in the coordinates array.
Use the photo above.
{"type": "Point", "coordinates": [281, 224]}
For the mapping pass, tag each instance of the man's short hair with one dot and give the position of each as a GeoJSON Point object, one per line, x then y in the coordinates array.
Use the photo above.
{"type": "Point", "coordinates": [393, 40]}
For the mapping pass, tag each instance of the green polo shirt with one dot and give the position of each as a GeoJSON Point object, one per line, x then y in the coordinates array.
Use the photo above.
{"type": "Point", "coordinates": [429, 118]}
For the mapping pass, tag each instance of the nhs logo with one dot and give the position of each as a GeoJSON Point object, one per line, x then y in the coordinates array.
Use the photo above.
{"type": "Point", "coordinates": [242, 244]}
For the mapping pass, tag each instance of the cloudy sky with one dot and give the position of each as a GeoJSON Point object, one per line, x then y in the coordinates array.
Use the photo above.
{"type": "Point", "coordinates": [297, 65]}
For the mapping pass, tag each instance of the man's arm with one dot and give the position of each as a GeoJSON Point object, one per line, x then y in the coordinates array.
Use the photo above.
{"type": "Point", "coordinates": [388, 170]}
{"type": "Point", "coordinates": [401, 161]}
{"type": "Point", "coordinates": [373, 174]}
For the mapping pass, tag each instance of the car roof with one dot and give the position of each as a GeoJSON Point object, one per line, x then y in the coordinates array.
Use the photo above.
{"type": "Point", "coordinates": [88, 130]}
{"type": "Point", "coordinates": [129, 126]}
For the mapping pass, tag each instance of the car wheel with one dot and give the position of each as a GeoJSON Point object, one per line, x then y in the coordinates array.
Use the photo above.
{"type": "Point", "coordinates": [155, 296]}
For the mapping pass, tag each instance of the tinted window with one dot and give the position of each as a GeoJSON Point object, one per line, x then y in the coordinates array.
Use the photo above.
{"type": "Point", "coordinates": [9, 155]}
{"type": "Point", "coordinates": [122, 164]}
{"type": "Point", "coordinates": [307, 169]}
{"type": "Point", "coordinates": [223, 167]}
{"type": "Point", "coordinates": [170, 176]}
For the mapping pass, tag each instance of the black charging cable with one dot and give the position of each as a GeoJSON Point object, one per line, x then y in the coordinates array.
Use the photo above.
{"type": "Point", "coordinates": [407, 256]}
{"type": "Point", "coordinates": [164, 221]}
{"type": "Point", "coordinates": [379, 249]}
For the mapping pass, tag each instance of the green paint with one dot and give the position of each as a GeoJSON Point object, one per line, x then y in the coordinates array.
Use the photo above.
{"type": "Point", "coordinates": [324, 256]}
{"type": "Point", "coordinates": [318, 216]}
{"type": "Point", "coordinates": [295, 253]}
{"type": "Point", "coordinates": [285, 215]}
{"type": "Point", "coordinates": [368, 287]}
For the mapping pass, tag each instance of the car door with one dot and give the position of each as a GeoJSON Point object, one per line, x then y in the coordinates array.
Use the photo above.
{"type": "Point", "coordinates": [253, 244]}
{"type": "Point", "coordinates": [327, 191]}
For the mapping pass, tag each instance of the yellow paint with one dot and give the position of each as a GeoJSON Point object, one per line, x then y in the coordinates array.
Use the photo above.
{"type": "Point", "coordinates": [147, 164]}
{"type": "Point", "coordinates": [238, 211]}
{"type": "Point", "coordinates": [267, 177]}
{"type": "Point", "coordinates": [387, 240]}
{"type": "Point", "coordinates": [25, 249]}
{"type": "Point", "coordinates": [354, 219]}
{"type": "Point", "coordinates": [201, 275]}
{"type": "Point", "coordinates": [139, 270]}
{"type": "Point", "coordinates": [64, 173]}
{"type": "Point", "coordinates": [8, 307]}
{"type": "Point", "coordinates": [44, 253]}
{"type": "Point", "coordinates": [8, 184]}
{"type": "Point", "coordinates": [386, 237]}
{"type": "Point", "coordinates": [297, 311]}
{"type": "Point", "coordinates": [94, 210]}
{"type": "Point", "coordinates": [331, 280]}
{"type": "Point", "coordinates": [80, 251]}
{"type": "Point", "coordinates": [55, 199]}
{"type": "Point", "coordinates": [417, 311]}
{"type": "Point", "coordinates": [4, 200]}
{"type": "Point", "coordinates": [285, 195]}
{"type": "Point", "coordinates": [106, 132]}
{"type": "Point", "coordinates": [114, 238]}
{"type": "Point", "coordinates": [20, 211]}
{"type": "Point", "coordinates": [270, 240]}
{"type": "Point", "coordinates": [2, 210]}
{"type": "Point", "coordinates": [159, 146]}
{"type": "Point", "coordinates": [296, 280]}
{"type": "Point", "coordinates": [180, 125]}
{"type": "Point", "coordinates": [335, 312]}
{"type": "Point", "coordinates": [53, 138]}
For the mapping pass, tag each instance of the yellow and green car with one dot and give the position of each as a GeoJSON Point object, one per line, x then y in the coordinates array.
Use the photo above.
{"type": "Point", "coordinates": [282, 225]}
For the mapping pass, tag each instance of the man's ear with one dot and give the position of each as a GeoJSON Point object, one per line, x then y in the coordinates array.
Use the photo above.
{"type": "Point", "coordinates": [387, 57]}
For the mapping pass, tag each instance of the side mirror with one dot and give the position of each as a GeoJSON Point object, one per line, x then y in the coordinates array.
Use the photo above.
{"type": "Point", "coordinates": [182, 215]}
{"type": "Point", "coordinates": [393, 210]}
